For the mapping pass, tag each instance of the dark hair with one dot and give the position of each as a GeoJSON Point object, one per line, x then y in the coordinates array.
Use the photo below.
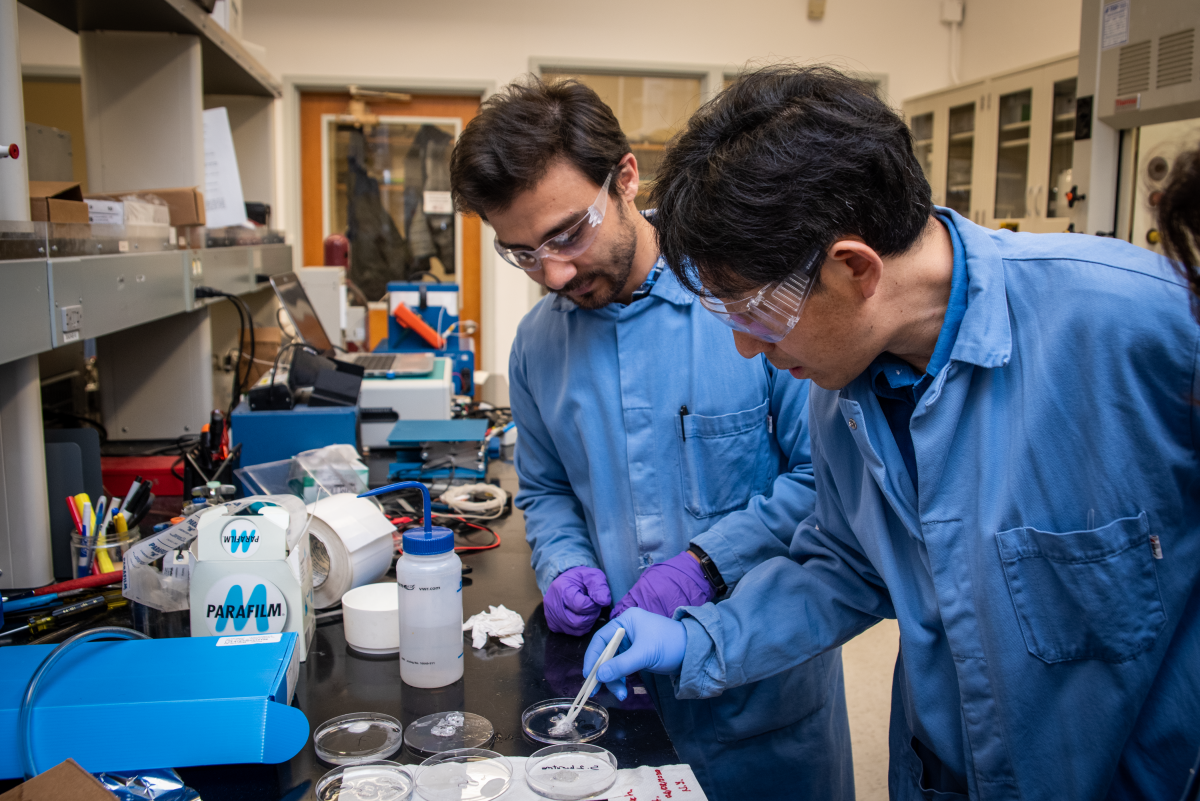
{"type": "Point", "coordinates": [520, 130]}
{"type": "Point", "coordinates": [1179, 220]}
{"type": "Point", "coordinates": [782, 163]}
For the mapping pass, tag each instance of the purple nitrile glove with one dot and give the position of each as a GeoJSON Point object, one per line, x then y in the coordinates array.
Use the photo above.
{"type": "Point", "coordinates": [574, 599]}
{"type": "Point", "coordinates": [665, 587]}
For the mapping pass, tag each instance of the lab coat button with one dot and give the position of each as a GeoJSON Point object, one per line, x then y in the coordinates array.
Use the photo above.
{"type": "Point", "coordinates": [853, 425]}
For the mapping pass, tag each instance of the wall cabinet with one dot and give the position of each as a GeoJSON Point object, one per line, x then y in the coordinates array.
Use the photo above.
{"type": "Point", "coordinates": [999, 150]}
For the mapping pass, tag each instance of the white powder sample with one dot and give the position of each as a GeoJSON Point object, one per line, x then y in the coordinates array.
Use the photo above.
{"type": "Point", "coordinates": [562, 727]}
{"type": "Point", "coordinates": [449, 725]}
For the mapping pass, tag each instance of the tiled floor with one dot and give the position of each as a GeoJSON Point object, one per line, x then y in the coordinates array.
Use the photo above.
{"type": "Point", "coordinates": [868, 661]}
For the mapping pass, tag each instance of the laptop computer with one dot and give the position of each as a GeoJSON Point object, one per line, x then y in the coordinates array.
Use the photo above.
{"type": "Point", "coordinates": [308, 327]}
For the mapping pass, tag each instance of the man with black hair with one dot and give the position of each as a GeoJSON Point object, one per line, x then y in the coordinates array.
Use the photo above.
{"type": "Point", "coordinates": [1004, 441]}
{"type": "Point", "coordinates": [656, 465]}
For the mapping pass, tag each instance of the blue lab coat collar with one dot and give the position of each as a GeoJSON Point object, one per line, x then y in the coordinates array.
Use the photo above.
{"type": "Point", "coordinates": [666, 288]}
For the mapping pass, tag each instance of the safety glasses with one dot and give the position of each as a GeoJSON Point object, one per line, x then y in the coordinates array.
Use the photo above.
{"type": "Point", "coordinates": [566, 245]}
{"type": "Point", "coordinates": [771, 313]}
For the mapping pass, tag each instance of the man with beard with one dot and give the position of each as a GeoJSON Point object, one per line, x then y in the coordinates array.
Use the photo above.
{"type": "Point", "coordinates": [655, 463]}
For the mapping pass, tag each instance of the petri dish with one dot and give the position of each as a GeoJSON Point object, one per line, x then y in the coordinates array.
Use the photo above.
{"type": "Point", "coordinates": [379, 781]}
{"type": "Point", "coordinates": [448, 731]}
{"type": "Point", "coordinates": [570, 771]}
{"type": "Point", "coordinates": [357, 737]}
{"type": "Point", "coordinates": [539, 721]}
{"type": "Point", "coordinates": [464, 774]}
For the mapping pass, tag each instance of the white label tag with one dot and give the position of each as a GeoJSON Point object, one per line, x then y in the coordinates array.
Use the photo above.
{"type": "Point", "coordinates": [249, 639]}
{"type": "Point", "coordinates": [71, 336]}
{"type": "Point", "coordinates": [438, 202]}
{"type": "Point", "coordinates": [1114, 30]}
{"type": "Point", "coordinates": [123, 246]}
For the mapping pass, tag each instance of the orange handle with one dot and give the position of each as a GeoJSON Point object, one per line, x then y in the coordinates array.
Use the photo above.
{"type": "Point", "coordinates": [409, 319]}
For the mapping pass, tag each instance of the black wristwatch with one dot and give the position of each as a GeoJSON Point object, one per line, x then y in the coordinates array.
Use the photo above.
{"type": "Point", "coordinates": [710, 570]}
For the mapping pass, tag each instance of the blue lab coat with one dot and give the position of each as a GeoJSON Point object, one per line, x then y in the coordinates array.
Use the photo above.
{"type": "Point", "coordinates": [1045, 652]}
{"type": "Point", "coordinates": [608, 480]}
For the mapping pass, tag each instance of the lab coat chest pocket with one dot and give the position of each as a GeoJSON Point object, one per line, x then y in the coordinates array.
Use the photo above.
{"type": "Point", "coordinates": [724, 460]}
{"type": "Point", "coordinates": [1085, 594]}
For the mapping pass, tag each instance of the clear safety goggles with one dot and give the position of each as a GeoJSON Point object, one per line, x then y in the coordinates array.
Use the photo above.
{"type": "Point", "coordinates": [566, 245]}
{"type": "Point", "coordinates": [771, 313]}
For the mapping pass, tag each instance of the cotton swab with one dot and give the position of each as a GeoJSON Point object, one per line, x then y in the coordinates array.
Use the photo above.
{"type": "Point", "coordinates": [576, 707]}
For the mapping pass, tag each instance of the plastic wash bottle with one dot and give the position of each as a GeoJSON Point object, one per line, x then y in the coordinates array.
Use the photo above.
{"type": "Point", "coordinates": [429, 575]}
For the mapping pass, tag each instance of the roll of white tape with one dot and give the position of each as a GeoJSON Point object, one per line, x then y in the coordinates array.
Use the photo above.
{"type": "Point", "coordinates": [351, 546]}
{"type": "Point", "coordinates": [371, 616]}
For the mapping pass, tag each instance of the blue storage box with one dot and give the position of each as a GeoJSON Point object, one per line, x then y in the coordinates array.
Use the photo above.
{"type": "Point", "coordinates": [141, 704]}
{"type": "Point", "coordinates": [270, 436]}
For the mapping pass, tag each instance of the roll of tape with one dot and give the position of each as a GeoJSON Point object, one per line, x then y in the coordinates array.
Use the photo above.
{"type": "Point", "coordinates": [371, 616]}
{"type": "Point", "coordinates": [351, 546]}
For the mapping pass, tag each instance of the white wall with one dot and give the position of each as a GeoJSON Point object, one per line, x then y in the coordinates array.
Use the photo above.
{"type": "Point", "coordinates": [489, 41]}
{"type": "Point", "coordinates": [993, 41]}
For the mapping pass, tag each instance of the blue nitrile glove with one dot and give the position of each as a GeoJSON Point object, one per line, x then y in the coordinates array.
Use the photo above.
{"type": "Point", "coordinates": [574, 599]}
{"type": "Point", "coordinates": [652, 642]}
{"type": "Point", "coordinates": [665, 587]}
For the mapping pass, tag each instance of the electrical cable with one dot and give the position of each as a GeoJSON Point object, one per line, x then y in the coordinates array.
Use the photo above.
{"type": "Point", "coordinates": [25, 716]}
{"type": "Point", "coordinates": [462, 499]}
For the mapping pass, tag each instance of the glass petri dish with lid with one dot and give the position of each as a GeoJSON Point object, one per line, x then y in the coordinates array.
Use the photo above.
{"type": "Point", "coordinates": [542, 722]}
{"type": "Point", "coordinates": [448, 731]}
{"type": "Point", "coordinates": [571, 771]}
{"type": "Point", "coordinates": [464, 774]}
{"type": "Point", "coordinates": [357, 737]}
{"type": "Point", "coordinates": [379, 780]}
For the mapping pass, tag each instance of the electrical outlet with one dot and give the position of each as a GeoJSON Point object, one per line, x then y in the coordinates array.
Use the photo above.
{"type": "Point", "coordinates": [72, 318]}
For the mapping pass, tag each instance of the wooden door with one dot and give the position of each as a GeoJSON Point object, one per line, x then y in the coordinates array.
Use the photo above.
{"type": "Point", "coordinates": [314, 107]}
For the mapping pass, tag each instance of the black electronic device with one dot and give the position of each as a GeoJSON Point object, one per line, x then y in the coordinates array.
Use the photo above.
{"type": "Point", "coordinates": [272, 397]}
{"type": "Point", "coordinates": [335, 388]}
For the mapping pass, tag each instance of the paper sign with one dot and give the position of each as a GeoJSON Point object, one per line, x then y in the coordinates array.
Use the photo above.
{"type": "Point", "coordinates": [224, 204]}
{"type": "Point", "coordinates": [1114, 29]}
{"type": "Point", "coordinates": [249, 639]}
{"type": "Point", "coordinates": [438, 202]}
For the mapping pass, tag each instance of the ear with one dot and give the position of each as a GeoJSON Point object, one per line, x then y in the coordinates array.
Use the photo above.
{"type": "Point", "coordinates": [862, 265]}
{"type": "Point", "coordinates": [626, 178]}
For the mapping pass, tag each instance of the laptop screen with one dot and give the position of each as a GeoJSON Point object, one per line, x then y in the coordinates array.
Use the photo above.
{"type": "Point", "coordinates": [295, 301]}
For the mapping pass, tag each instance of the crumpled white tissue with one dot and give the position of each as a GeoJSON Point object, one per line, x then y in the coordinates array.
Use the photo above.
{"type": "Point", "coordinates": [499, 622]}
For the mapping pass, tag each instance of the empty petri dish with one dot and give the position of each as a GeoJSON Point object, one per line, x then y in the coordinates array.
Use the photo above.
{"type": "Point", "coordinates": [448, 731]}
{"type": "Point", "coordinates": [465, 774]}
{"type": "Point", "coordinates": [357, 737]}
{"type": "Point", "coordinates": [379, 780]}
{"type": "Point", "coordinates": [542, 722]}
{"type": "Point", "coordinates": [571, 771]}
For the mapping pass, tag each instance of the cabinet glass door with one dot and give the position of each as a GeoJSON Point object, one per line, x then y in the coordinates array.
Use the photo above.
{"type": "Point", "coordinates": [1062, 148]}
{"type": "Point", "coordinates": [1012, 156]}
{"type": "Point", "coordinates": [960, 158]}
{"type": "Point", "coordinates": [922, 133]}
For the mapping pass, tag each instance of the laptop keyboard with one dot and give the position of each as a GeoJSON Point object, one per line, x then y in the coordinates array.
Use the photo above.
{"type": "Point", "coordinates": [375, 361]}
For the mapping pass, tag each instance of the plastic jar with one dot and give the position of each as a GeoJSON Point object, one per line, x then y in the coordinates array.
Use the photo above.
{"type": "Point", "coordinates": [431, 609]}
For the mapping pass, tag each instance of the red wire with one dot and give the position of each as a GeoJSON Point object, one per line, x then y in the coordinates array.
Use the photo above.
{"type": "Point", "coordinates": [400, 521]}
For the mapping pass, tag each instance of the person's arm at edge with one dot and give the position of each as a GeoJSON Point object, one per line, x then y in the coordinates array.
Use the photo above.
{"type": "Point", "coordinates": [764, 529]}
{"type": "Point", "coordinates": [555, 527]}
{"type": "Point", "coordinates": [823, 595]}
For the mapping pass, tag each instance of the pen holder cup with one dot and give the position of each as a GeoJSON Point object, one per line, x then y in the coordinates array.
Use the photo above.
{"type": "Point", "coordinates": [112, 548]}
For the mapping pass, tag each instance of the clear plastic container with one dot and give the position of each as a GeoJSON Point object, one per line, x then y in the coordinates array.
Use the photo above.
{"type": "Point", "coordinates": [448, 731]}
{"type": "Point", "coordinates": [357, 738]}
{"type": "Point", "coordinates": [107, 553]}
{"type": "Point", "coordinates": [571, 771]}
{"type": "Point", "coordinates": [431, 609]}
{"type": "Point", "coordinates": [467, 774]}
{"type": "Point", "coordinates": [539, 722]}
{"type": "Point", "coordinates": [379, 780]}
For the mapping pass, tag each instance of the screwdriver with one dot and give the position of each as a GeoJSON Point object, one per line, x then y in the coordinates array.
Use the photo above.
{"type": "Point", "coordinates": [51, 619]}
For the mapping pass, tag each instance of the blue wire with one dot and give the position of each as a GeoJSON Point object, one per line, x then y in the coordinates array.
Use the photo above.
{"type": "Point", "coordinates": [25, 718]}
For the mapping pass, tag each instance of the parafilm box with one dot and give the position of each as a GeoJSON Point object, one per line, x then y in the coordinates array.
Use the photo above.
{"type": "Point", "coordinates": [245, 581]}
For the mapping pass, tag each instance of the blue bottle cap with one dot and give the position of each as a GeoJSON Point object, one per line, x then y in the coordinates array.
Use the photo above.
{"type": "Point", "coordinates": [417, 543]}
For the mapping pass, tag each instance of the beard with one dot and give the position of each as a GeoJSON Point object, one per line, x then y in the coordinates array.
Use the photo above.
{"type": "Point", "coordinates": [611, 278]}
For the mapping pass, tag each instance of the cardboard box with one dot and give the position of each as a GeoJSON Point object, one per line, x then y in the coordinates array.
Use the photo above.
{"type": "Point", "coordinates": [186, 203]}
{"type": "Point", "coordinates": [64, 780]}
{"type": "Point", "coordinates": [266, 348]}
{"type": "Point", "coordinates": [59, 202]}
{"type": "Point", "coordinates": [105, 212]}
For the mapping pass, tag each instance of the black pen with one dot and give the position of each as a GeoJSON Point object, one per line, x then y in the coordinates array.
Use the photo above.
{"type": "Point", "coordinates": [683, 412]}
